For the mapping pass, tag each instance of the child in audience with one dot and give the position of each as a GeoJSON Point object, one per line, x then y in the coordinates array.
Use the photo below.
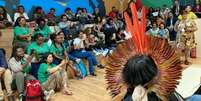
{"type": "Point", "coordinates": [163, 32]}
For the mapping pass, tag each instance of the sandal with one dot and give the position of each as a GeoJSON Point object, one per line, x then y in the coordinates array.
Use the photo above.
{"type": "Point", "coordinates": [67, 92]}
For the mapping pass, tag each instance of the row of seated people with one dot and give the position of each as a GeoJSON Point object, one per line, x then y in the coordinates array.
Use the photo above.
{"type": "Point", "coordinates": [44, 58]}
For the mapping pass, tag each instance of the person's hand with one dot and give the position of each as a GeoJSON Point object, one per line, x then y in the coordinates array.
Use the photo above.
{"type": "Point", "coordinates": [63, 62]}
{"type": "Point", "coordinates": [2, 70]}
{"type": "Point", "coordinates": [77, 60]}
{"type": "Point", "coordinates": [28, 60]}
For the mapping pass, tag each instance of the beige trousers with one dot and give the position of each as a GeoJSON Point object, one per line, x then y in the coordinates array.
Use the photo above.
{"type": "Point", "coordinates": [6, 77]}
{"type": "Point", "coordinates": [56, 81]}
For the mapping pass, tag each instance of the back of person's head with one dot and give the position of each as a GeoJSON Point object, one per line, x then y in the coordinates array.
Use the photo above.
{"type": "Point", "coordinates": [139, 70]}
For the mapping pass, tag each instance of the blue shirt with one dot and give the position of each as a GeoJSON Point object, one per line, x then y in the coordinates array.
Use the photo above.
{"type": "Point", "coordinates": [3, 61]}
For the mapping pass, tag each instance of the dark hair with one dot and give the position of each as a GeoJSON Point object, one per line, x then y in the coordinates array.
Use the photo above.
{"type": "Point", "coordinates": [67, 9]}
{"type": "Point", "coordinates": [36, 36]}
{"type": "Point", "coordinates": [38, 8]}
{"type": "Point", "coordinates": [139, 70]}
{"type": "Point", "coordinates": [184, 12]}
{"type": "Point", "coordinates": [59, 33]}
{"type": "Point", "coordinates": [19, 7]}
{"type": "Point", "coordinates": [4, 12]}
{"type": "Point", "coordinates": [17, 23]}
{"type": "Point", "coordinates": [15, 50]}
{"type": "Point", "coordinates": [39, 20]}
{"type": "Point", "coordinates": [63, 15]}
{"type": "Point", "coordinates": [44, 57]}
{"type": "Point", "coordinates": [113, 7]}
{"type": "Point", "coordinates": [53, 36]}
{"type": "Point", "coordinates": [52, 9]}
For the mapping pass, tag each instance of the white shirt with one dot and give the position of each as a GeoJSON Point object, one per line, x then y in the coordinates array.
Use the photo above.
{"type": "Point", "coordinates": [77, 41]}
{"type": "Point", "coordinates": [17, 15]}
{"type": "Point", "coordinates": [9, 18]}
{"type": "Point", "coordinates": [16, 66]}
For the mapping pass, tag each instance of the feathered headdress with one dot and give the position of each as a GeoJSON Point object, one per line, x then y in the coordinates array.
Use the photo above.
{"type": "Point", "coordinates": [165, 57]}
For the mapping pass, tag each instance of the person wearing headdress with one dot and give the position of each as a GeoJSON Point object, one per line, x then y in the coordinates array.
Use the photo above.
{"type": "Point", "coordinates": [143, 68]}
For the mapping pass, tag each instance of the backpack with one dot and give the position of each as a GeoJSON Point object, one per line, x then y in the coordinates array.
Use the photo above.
{"type": "Point", "coordinates": [82, 68]}
{"type": "Point", "coordinates": [33, 91]}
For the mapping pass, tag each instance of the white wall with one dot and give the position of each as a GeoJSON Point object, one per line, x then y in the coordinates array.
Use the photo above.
{"type": "Point", "coordinates": [198, 37]}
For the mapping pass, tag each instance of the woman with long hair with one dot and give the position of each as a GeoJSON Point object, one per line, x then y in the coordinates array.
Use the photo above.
{"type": "Point", "coordinates": [53, 77]}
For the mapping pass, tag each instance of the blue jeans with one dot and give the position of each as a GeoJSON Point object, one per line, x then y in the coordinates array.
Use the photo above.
{"type": "Point", "coordinates": [195, 98]}
{"type": "Point", "coordinates": [89, 56]}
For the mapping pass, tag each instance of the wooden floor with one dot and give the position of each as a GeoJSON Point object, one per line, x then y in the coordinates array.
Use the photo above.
{"type": "Point", "coordinates": [88, 89]}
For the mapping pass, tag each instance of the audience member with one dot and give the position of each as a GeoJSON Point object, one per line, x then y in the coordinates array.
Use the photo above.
{"type": "Point", "coordinates": [6, 76]}
{"type": "Point", "coordinates": [20, 12]}
{"type": "Point", "coordinates": [53, 77]}
{"type": "Point", "coordinates": [154, 30]}
{"type": "Point", "coordinates": [170, 26]}
{"type": "Point", "coordinates": [22, 34]}
{"type": "Point", "coordinates": [42, 28]}
{"type": "Point", "coordinates": [5, 19]}
{"type": "Point", "coordinates": [40, 48]}
{"type": "Point", "coordinates": [20, 65]}
{"type": "Point", "coordinates": [38, 13]}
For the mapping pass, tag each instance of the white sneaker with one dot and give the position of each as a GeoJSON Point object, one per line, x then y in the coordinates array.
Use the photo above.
{"type": "Point", "coordinates": [48, 94]}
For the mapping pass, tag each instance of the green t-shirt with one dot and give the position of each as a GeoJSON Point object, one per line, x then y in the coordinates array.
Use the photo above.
{"type": "Point", "coordinates": [27, 69]}
{"type": "Point", "coordinates": [59, 51]}
{"type": "Point", "coordinates": [45, 31]}
{"type": "Point", "coordinates": [39, 50]}
{"type": "Point", "coordinates": [43, 74]}
{"type": "Point", "coordinates": [18, 31]}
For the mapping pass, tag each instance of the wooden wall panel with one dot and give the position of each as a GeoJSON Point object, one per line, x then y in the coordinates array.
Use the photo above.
{"type": "Point", "coordinates": [110, 3]}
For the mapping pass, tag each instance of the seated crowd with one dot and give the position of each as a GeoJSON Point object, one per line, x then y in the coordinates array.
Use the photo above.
{"type": "Point", "coordinates": [46, 47]}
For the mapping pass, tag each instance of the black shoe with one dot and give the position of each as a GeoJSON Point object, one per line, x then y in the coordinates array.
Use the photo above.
{"type": "Point", "coordinates": [100, 66]}
{"type": "Point", "coordinates": [93, 74]}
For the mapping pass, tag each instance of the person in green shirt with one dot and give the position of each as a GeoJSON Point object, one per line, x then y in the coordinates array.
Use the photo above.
{"type": "Point", "coordinates": [42, 28]}
{"type": "Point", "coordinates": [58, 49]}
{"type": "Point", "coordinates": [53, 77]}
{"type": "Point", "coordinates": [40, 48]}
{"type": "Point", "coordinates": [22, 35]}
{"type": "Point", "coordinates": [20, 65]}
